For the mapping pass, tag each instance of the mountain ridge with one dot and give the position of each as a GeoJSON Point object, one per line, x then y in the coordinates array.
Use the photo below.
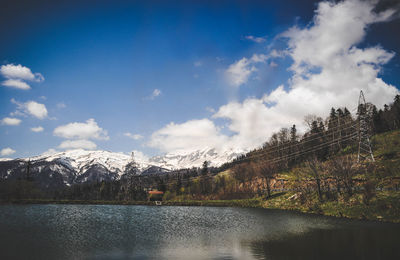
{"type": "Point", "coordinates": [81, 166]}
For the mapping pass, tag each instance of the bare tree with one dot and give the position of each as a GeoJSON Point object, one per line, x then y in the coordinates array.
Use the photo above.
{"type": "Point", "coordinates": [309, 119]}
{"type": "Point", "coordinates": [266, 169]}
{"type": "Point", "coordinates": [344, 168]}
{"type": "Point", "coordinates": [315, 169]}
{"type": "Point", "coordinates": [244, 172]}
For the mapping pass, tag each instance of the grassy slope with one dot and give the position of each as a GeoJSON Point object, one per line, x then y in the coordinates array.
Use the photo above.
{"type": "Point", "coordinates": [386, 148]}
{"type": "Point", "coordinates": [384, 206]}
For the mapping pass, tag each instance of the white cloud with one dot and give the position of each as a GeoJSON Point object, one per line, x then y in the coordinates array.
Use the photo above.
{"type": "Point", "coordinates": [16, 76]}
{"type": "Point", "coordinates": [36, 109]}
{"type": "Point", "coordinates": [15, 83]}
{"type": "Point", "coordinates": [17, 71]}
{"type": "Point", "coordinates": [156, 92]}
{"type": "Point", "coordinates": [257, 58]}
{"type": "Point", "coordinates": [32, 108]}
{"type": "Point", "coordinates": [255, 39]}
{"type": "Point", "coordinates": [10, 121]}
{"type": "Point", "coordinates": [239, 72]}
{"type": "Point", "coordinates": [193, 134]}
{"type": "Point", "coordinates": [77, 130]}
{"type": "Point", "coordinates": [6, 151]}
{"type": "Point", "coordinates": [37, 129]}
{"type": "Point", "coordinates": [198, 64]}
{"type": "Point", "coordinates": [277, 54]}
{"type": "Point", "coordinates": [251, 122]}
{"type": "Point", "coordinates": [77, 144]}
{"type": "Point", "coordinates": [329, 70]}
{"type": "Point", "coordinates": [133, 136]}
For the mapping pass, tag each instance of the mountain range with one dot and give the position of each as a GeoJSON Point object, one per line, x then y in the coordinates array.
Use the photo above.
{"type": "Point", "coordinates": [82, 166]}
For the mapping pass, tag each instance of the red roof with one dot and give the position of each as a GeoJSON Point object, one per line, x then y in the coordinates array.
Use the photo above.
{"type": "Point", "coordinates": [155, 192]}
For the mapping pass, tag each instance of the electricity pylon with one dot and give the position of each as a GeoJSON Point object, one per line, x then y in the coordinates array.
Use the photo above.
{"type": "Point", "coordinates": [364, 144]}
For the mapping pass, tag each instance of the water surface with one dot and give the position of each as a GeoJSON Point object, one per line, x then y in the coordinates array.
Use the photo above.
{"type": "Point", "coordinates": [148, 232]}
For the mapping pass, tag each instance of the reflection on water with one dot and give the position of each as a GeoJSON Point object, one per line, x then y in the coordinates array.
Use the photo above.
{"type": "Point", "coordinates": [144, 232]}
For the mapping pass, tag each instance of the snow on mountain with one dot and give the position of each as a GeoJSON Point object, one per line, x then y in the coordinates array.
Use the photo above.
{"type": "Point", "coordinates": [81, 159]}
{"type": "Point", "coordinates": [80, 166]}
{"type": "Point", "coordinates": [194, 159]}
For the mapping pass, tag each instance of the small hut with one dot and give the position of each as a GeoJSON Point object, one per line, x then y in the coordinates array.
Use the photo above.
{"type": "Point", "coordinates": [155, 195]}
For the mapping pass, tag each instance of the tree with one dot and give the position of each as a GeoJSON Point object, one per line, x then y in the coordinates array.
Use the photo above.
{"type": "Point", "coordinates": [293, 145]}
{"type": "Point", "coordinates": [376, 121]}
{"type": "Point", "coordinates": [266, 169]}
{"type": "Point", "coordinates": [332, 120]}
{"type": "Point", "coordinates": [344, 168]}
{"type": "Point", "coordinates": [28, 171]}
{"type": "Point", "coordinates": [204, 169]}
{"type": "Point", "coordinates": [315, 138]}
{"type": "Point", "coordinates": [314, 168]}
{"type": "Point", "coordinates": [284, 142]}
{"type": "Point", "coordinates": [396, 110]}
{"type": "Point", "coordinates": [243, 172]}
{"type": "Point", "coordinates": [309, 119]}
{"type": "Point", "coordinates": [293, 134]}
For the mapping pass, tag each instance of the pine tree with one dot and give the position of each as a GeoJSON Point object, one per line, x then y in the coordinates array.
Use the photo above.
{"type": "Point", "coordinates": [396, 111]}
{"type": "Point", "coordinates": [293, 134]}
{"type": "Point", "coordinates": [204, 169]}
{"type": "Point", "coordinates": [332, 121]}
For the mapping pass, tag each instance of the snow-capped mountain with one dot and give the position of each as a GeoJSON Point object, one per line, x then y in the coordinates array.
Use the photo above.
{"type": "Point", "coordinates": [194, 159]}
{"type": "Point", "coordinates": [80, 166]}
{"type": "Point", "coordinates": [76, 166]}
{"type": "Point", "coordinates": [80, 160]}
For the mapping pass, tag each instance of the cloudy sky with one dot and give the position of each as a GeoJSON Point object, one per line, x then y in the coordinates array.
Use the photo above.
{"type": "Point", "coordinates": [177, 76]}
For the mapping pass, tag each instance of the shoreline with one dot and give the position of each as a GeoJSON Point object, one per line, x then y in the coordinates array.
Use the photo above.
{"type": "Point", "coordinates": [243, 203]}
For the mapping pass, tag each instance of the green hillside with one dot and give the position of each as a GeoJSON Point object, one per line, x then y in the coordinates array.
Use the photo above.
{"type": "Point", "coordinates": [374, 195]}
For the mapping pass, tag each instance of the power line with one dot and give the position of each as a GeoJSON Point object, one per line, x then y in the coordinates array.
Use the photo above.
{"type": "Point", "coordinates": [282, 147]}
{"type": "Point", "coordinates": [274, 161]}
{"type": "Point", "coordinates": [319, 146]}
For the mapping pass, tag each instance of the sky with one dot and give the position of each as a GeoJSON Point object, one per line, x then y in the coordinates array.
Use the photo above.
{"type": "Point", "coordinates": [161, 77]}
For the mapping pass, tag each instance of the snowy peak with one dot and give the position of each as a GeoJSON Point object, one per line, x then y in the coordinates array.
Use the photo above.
{"type": "Point", "coordinates": [194, 159]}
{"type": "Point", "coordinates": [81, 159]}
{"type": "Point", "coordinates": [81, 166]}
{"type": "Point", "coordinates": [117, 162]}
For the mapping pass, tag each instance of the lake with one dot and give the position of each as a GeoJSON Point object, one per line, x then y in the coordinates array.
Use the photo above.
{"type": "Point", "coordinates": [166, 232]}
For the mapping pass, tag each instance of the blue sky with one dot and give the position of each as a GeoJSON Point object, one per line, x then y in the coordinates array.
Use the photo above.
{"type": "Point", "coordinates": [150, 74]}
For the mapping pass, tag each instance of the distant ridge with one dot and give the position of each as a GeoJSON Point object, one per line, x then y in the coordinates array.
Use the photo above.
{"type": "Point", "coordinates": [81, 166]}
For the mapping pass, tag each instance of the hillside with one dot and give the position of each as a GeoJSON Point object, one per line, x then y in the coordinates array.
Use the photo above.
{"type": "Point", "coordinates": [374, 195]}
